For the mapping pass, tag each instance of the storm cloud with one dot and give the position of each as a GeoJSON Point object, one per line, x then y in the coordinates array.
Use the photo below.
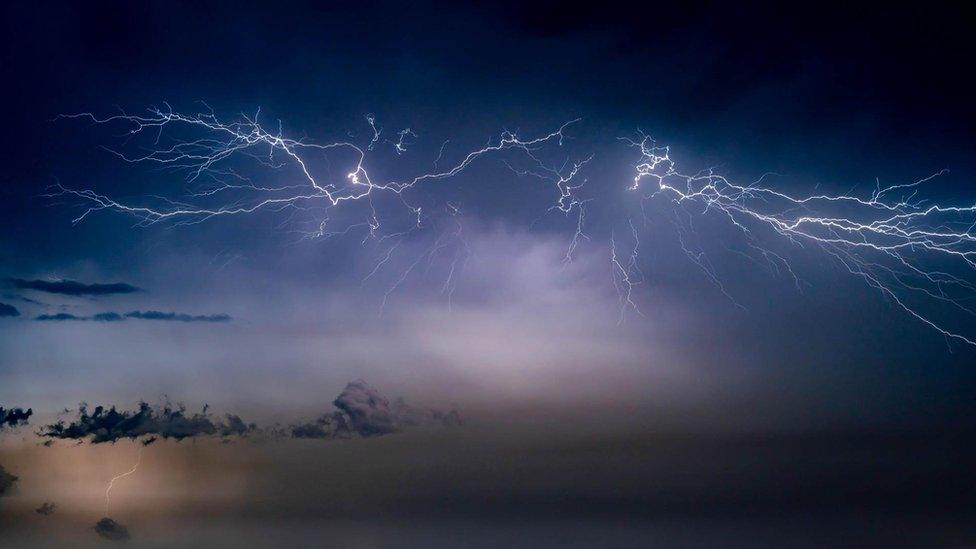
{"type": "Point", "coordinates": [364, 411]}
{"type": "Point", "coordinates": [14, 417]}
{"type": "Point", "coordinates": [140, 315]}
{"type": "Point", "coordinates": [369, 412]}
{"type": "Point", "coordinates": [110, 425]}
{"type": "Point", "coordinates": [72, 287]}
{"type": "Point", "coordinates": [8, 310]}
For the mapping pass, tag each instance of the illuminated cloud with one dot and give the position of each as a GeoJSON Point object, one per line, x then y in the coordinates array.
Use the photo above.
{"type": "Point", "coordinates": [364, 411]}
{"type": "Point", "coordinates": [369, 412]}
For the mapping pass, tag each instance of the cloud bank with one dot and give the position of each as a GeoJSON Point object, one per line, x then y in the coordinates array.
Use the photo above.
{"type": "Point", "coordinates": [111, 425]}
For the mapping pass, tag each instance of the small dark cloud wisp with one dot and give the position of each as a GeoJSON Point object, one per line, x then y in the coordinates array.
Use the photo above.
{"type": "Point", "coordinates": [177, 317]}
{"type": "Point", "coordinates": [46, 509]}
{"type": "Point", "coordinates": [72, 287]}
{"type": "Point", "coordinates": [139, 315]}
{"type": "Point", "coordinates": [8, 310]}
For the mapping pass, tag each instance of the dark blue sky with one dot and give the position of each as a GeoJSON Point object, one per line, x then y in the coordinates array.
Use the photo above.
{"type": "Point", "coordinates": [833, 97]}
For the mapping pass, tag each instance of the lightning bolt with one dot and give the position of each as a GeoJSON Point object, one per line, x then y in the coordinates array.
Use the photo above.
{"type": "Point", "coordinates": [203, 159]}
{"type": "Point", "coordinates": [890, 239]}
{"type": "Point", "coordinates": [626, 273]}
{"type": "Point", "coordinates": [887, 239]}
{"type": "Point", "coordinates": [111, 483]}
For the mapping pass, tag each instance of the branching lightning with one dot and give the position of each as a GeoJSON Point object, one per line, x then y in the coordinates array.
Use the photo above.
{"type": "Point", "coordinates": [915, 253]}
{"type": "Point", "coordinates": [888, 239]}
{"type": "Point", "coordinates": [204, 158]}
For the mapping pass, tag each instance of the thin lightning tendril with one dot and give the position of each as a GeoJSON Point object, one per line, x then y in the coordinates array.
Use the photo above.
{"type": "Point", "coordinates": [111, 483]}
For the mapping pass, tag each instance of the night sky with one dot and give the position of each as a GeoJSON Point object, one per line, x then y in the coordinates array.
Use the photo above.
{"type": "Point", "coordinates": [469, 294]}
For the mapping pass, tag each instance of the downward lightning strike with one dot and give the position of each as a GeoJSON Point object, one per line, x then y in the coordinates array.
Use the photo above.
{"type": "Point", "coordinates": [111, 483]}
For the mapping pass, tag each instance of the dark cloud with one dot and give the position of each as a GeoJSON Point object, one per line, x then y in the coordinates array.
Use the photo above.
{"type": "Point", "coordinates": [71, 287]}
{"type": "Point", "coordinates": [177, 317]}
{"type": "Point", "coordinates": [14, 417]}
{"type": "Point", "coordinates": [107, 317]}
{"type": "Point", "coordinates": [110, 425]}
{"type": "Point", "coordinates": [233, 425]}
{"type": "Point", "coordinates": [363, 410]}
{"type": "Point", "coordinates": [60, 317]}
{"type": "Point", "coordinates": [333, 425]}
{"type": "Point", "coordinates": [8, 310]}
{"type": "Point", "coordinates": [141, 315]}
{"type": "Point", "coordinates": [109, 529]}
{"type": "Point", "coordinates": [46, 508]}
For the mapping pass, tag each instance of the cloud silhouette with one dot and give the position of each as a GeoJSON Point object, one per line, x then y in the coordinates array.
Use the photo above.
{"type": "Point", "coordinates": [46, 508]}
{"type": "Point", "coordinates": [14, 417]}
{"type": "Point", "coordinates": [8, 310]}
{"type": "Point", "coordinates": [110, 425]}
{"type": "Point", "coordinates": [71, 287]}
